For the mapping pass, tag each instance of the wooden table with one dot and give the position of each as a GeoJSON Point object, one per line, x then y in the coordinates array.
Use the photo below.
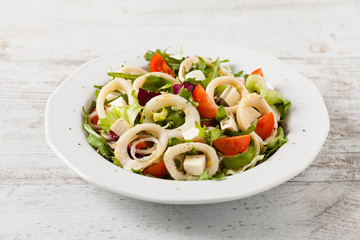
{"type": "Point", "coordinates": [42, 42]}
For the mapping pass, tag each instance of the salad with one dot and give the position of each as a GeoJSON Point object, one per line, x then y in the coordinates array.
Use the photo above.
{"type": "Point", "coordinates": [188, 118]}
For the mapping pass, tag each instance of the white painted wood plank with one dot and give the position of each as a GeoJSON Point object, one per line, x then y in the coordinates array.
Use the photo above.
{"type": "Point", "coordinates": [294, 210]}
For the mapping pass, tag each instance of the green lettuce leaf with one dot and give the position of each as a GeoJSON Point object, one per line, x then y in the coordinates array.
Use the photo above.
{"type": "Point", "coordinates": [128, 113]}
{"type": "Point", "coordinates": [157, 84]}
{"type": "Point", "coordinates": [174, 118]}
{"type": "Point", "coordinates": [256, 83]}
{"type": "Point", "coordinates": [160, 116]}
{"type": "Point", "coordinates": [275, 143]}
{"type": "Point", "coordinates": [205, 176]}
{"type": "Point", "coordinates": [239, 159]}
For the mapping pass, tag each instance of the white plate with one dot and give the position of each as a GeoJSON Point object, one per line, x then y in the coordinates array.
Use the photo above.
{"type": "Point", "coordinates": [307, 126]}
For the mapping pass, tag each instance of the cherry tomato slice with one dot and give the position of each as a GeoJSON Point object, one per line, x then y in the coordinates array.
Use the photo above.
{"type": "Point", "coordinates": [258, 72]}
{"type": "Point", "coordinates": [158, 64]}
{"type": "Point", "coordinates": [232, 145]}
{"type": "Point", "coordinates": [265, 125]}
{"type": "Point", "coordinates": [206, 107]}
{"type": "Point", "coordinates": [157, 170]}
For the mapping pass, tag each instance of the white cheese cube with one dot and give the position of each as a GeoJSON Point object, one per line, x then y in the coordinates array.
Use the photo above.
{"type": "Point", "coordinates": [228, 123]}
{"type": "Point", "coordinates": [197, 74]}
{"type": "Point", "coordinates": [117, 103]}
{"type": "Point", "coordinates": [230, 95]}
{"type": "Point", "coordinates": [194, 164]}
{"type": "Point", "coordinates": [120, 127]}
{"type": "Point", "coordinates": [192, 134]}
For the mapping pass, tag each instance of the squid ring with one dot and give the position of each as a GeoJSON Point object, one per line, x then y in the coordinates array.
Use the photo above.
{"type": "Point", "coordinates": [245, 117]}
{"type": "Point", "coordinates": [187, 64]}
{"type": "Point", "coordinates": [116, 84]}
{"type": "Point", "coordinates": [121, 149]}
{"type": "Point", "coordinates": [165, 100]}
{"type": "Point", "coordinates": [212, 160]}
{"type": "Point", "coordinates": [226, 80]}
{"type": "Point", "coordinates": [141, 80]}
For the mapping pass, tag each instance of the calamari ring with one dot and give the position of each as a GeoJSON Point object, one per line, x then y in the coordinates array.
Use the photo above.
{"type": "Point", "coordinates": [165, 100]}
{"type": "Point", "coordinates": [245, 117]}
{"type": "Point", "coordinates": [187, 64]}
{"type": "Point", "coordinates": [140, 80]}
{"type": "Point", "coordinates": [132, 70]}
{"type": "Point", "coordinates": [212, 160]}
{"type": "Point", "coordinates": [226, 80]}
{"type": "Point", "coordinates": [121, 148]}
{"type": "Point", "coordinates": [116, 84]}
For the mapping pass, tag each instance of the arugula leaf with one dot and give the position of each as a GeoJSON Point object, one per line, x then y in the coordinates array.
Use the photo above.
{"type": "Point", "coordinates": [209, 135]}
{"type": "Point", "coordinates": [246, 132]}
{"type": "Point", "coordinates": [239, 74]}
{"type": "Point", "coordinates": [157, 84]}
{"type": "Point", "coordinates": [92, 107]}
{"type": "Point", "coordinates": [187, 95]}
{"type": "Point", "coordinates": [97, 141]}
{"type": "Point", "coordinates": [136, 171]}
{"type": "Point", "coordinates": [202, 64]}
{"type": "Point", "coordinates": [221, 113]}
{"type": "Point", "coordinates": [174, 118]}
{"type": "Point", "coordinates": [275, 143]}
{"type": "Point", "coordinates": [193, 151]}
{"type": "Point", "coordinates": [123, 75]}
{"type": "Point", "coordinates": [175, 141]}
{"type": "Point", "coordinates": [205, 176]}
{"type": "Point", "coordinates": [128, 113]}
{"type": "Point", "coordinates": [213, 73]}
{"type": "Point", "coordinates": [116, 162]}
{"type": "Point", "coordinates": [239, 159]}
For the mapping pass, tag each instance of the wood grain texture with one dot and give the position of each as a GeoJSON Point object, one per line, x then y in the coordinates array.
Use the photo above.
{"type": "Point", "coordinates": [42, 42]}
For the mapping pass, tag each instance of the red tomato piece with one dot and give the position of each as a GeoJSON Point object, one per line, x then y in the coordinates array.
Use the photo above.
{"type": "Point", "coordinates": [258, 72]}
{"type": "Point", "coordinates": [158, 64]}
{"type": "Point", "coordinates": [206, 107]}
{"type": "Point", "coordinates": [94, 120]}
{"type": "Point", "coordinates": [232, 145]}
{"type": "Point", "coordinates": [157, 170]}
{"type": "Point", "coordinates": [265, 125]}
